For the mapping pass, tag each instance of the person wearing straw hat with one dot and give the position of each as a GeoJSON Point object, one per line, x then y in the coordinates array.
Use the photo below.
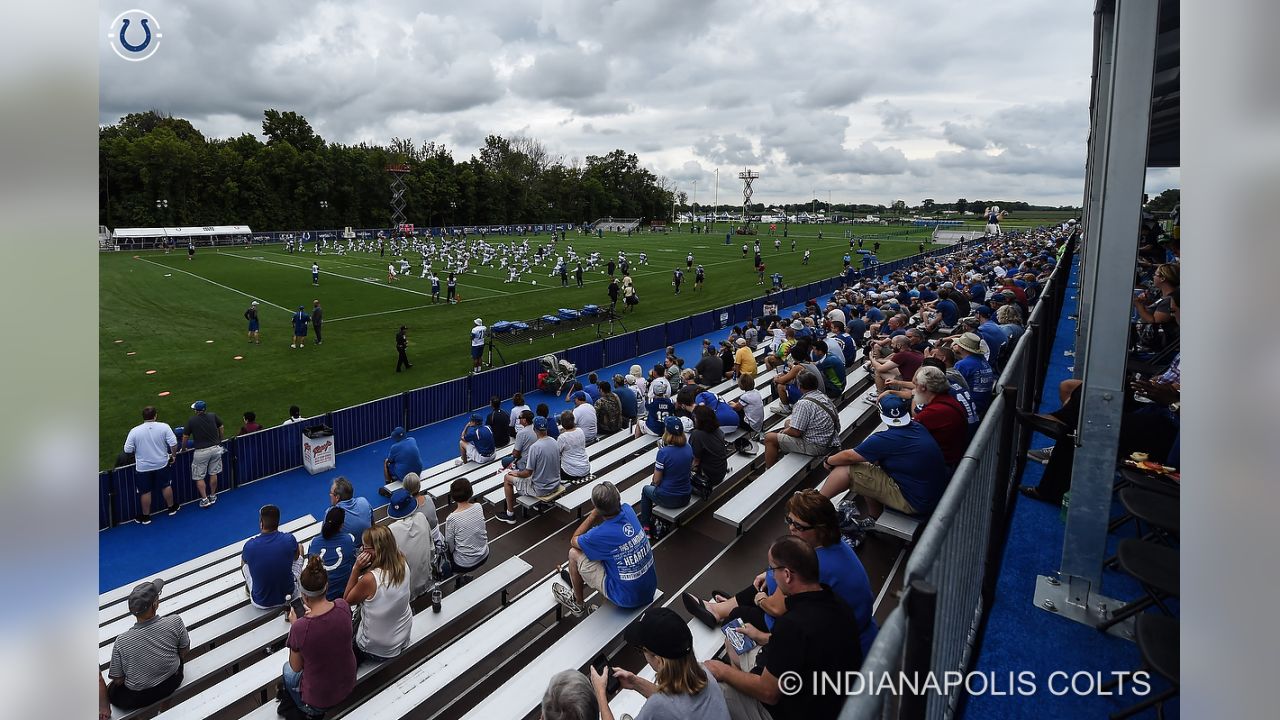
{"type": "Point", "coordinates": [975, 369]}
{"type": "Point", "coordinates": [681, 688]}
{"type": "Point", "coordinates": [146, 659]}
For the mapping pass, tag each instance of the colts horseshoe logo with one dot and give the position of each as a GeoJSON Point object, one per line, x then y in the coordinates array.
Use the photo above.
{"type": "Point", "coordinates": [118, 38]}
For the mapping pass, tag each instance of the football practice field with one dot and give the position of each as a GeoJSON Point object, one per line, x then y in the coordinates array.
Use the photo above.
{"type": "Point", "coordinates": [172, 330]}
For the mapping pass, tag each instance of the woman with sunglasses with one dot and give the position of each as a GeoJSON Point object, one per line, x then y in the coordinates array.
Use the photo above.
{"type": "Point", "coordinates": [812, 518]}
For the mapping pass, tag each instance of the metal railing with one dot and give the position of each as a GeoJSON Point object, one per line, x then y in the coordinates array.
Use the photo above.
{"type": "Point", "coordinates": [938, 622]}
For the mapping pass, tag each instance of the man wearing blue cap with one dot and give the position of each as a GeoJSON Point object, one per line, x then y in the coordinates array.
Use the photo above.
{"type": "Point", "coordinates": [540, 476]}
{"type": "Point", "coordinates": [476, 443]}
{"type": "Point", "coordinates": [900, 467]}
{"type": "Point", "coordinates": [403, 458]}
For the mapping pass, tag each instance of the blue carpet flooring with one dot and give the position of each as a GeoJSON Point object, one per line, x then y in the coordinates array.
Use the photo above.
{"type": "Point", "coordinates": [131, 551]}
{"type": "Point", "coordinates": [1021, 637]}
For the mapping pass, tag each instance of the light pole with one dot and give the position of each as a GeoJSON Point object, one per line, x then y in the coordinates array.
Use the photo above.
{"type": "Point", "coordinates": [695, 198]}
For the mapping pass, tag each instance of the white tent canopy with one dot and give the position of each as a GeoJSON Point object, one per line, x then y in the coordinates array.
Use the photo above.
{"type": "Point", "coordinates": [182, 231]}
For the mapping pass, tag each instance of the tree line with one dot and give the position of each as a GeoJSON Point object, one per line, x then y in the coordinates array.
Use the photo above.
{"type": "Point", "coordinates": [159, 170]}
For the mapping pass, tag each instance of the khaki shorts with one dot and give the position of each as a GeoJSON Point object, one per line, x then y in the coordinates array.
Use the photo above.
{"type": "Point", "coordinates": [872, 481]}
{"type": "Point", "coordinates": [206, 461]}
{"type": "Point", "coordinates": [592, 572]}
{"type": "Point", "coordinates": [800, 446]}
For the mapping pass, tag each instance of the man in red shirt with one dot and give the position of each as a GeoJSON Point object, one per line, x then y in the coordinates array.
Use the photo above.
{"type": "Point", "coordinates": [941, 414]}
{"type": "Point", "coordinates": [903, 363]}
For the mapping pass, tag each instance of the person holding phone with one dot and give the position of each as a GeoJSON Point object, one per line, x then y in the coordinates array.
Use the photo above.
{"type": "Point", "coordinates": [381, 585]}
{"type": "Point", "coordinates": [321, 669]}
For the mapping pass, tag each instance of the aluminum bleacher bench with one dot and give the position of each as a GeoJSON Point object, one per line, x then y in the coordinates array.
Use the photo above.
{"type": "Point", "coordinates": [539, 503]}
{"type": "Point", "coordinates": [706, 644]}
{"type": "Point", "coordinates": [266, 671]}
{"type": "Point", "coordinates": [602, 454]}
{"type": "Point", "coordinates": [891, 522]}
{"type": "Point", "coordinates": [426, 622]}
{"type": "Point", "coordinates": [581, 495]}
{"type": "Point", "coordinates": [522, 692]}
{"type": "Point", "coordinates": [421, 683]}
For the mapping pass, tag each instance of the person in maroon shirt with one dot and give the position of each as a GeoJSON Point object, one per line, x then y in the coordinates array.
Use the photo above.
{"type": "Point", "coordinates": [940, 414]}
{"type": "Point", "coordinates": [903, 363]}
{"type": "Point", "coordinates": [321, 669]}
{"type": "Point", "coordinates": [250, 423]}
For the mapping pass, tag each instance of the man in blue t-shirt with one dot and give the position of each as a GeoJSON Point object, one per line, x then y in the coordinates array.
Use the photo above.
{"type": "Point", "coordinates": [627, 397]}
{"type": "Point", "coordinates": [900, 467]}
{"type": "Point", "coordinates": [990, 331]}
{"type": "Point", "coordinates": [975, 370]}
{"type": "Point", "coordinates": [831, 368]}
{"type": "Point", "coordinates": [267, 561]}
{"type": "Point", "coordinates": [610, 553]}
{"type": "Point", "coordinates": [476, 443]}
{"type": "Point", "coordinates": [337, 551]}
{"type": "Point", "coordinates": [403, 457]}
{"type": "Point", "coordinates": [726, 416]}
{"type": "Point", "coordinates": [359, 511]}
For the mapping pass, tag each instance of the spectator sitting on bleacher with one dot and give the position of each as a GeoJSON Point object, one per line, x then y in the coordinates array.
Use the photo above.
{"type": "Point", "coordinates": [838, 339]}
{"type": "Point", "coordinates": [811, 517]}
{"type": "Point", "coordinates": [499, 422]}
{"type": "Point", "coordinates": [682, 688]}
{"type": "Point", "coordinates": [413, 485]}
{"type": "Point", "coordinates": [710, 451]}
{"type": "Point", "coordinates": [381, 584]}
{"type": "Point", "coordinates": [749, 406]}
{"type": "Point", "coordinates": [321, 669]}
{"type": "Point", "coordinates": [464, 531]}
{"type": "Point", "coordinates": [608, 411]}
{"type": "Point", "coordinates": [359, 512]}
{"type": "Point", "coordinates": [540, 476]}
{"type": "Point", "coordinates": [518, 406]}
{"type": "Point", "coordinates": [744, 360]}
{"type": "Point", "coordinates": [569, 696]}
{"type": "Point", "coordinates": [832, 368]}
{"type": "Point", "coordinates": [812, 429]}
{"type": "Point", "coordinates": [725, 415]}
{"type": "Point", "coordinates": [584, 414]}
{"type": "Point", "coordinates": [146, 659]}
{"type": "Point", "coordinates": [785, 385]}
{"type": "Point", "coordinates": [627, 399]}
{"type": "Point", "coordinates": [977, 373]}
{"type": "Point", "coordinates": [710, 368]}
{"type": "Point", "coordinates": [525, 438]}
{"type": "Point", "coordinates": [672, 472]}
{"type": "Point", "coordinates": [544, 411]}
{"type": "Point", "coordinates": [657, 410]}
{"type": "Point", "coordinates": [592, 388]}
{"type": "Point", "coordinates": [413, 536]}
{"type": "Point", "coordinates": [268, 561]}
{"type": "Point", "coordinates": [610, 553]}
{"type": "Point", "coordinates": [902, 364]}
{"type": "Point", "coordinates": [939, 358]}
{"type": "Point", "coordinates": [336, 549]}
{"type": "Point", "coordinates": [641, 384]}
{"type": "Point", "coordinates": [403, 457]}
{"type": "Point", "coordinates": [901, 466]}
{"type": "Point", "coordinates": [575, 465]}
{"type": "Point", "coordinates": [939, 412]}
{"type": "Point", "coordinates": [813, 637]}
{"type": "Point", "coordinates": [476, 442]}
{"type": "Point", "coordinates": [991, 334]}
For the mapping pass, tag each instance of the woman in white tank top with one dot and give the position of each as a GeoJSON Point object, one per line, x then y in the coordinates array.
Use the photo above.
{"type": "Point", "coordinates": [380, 584]}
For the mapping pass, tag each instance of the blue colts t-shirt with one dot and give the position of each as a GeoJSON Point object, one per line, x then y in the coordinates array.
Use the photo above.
{"type": "Point", "coordinates": [621, 545]}
{"type": "Point", "coordinates": [659, 409]}
{"type": "Point", "coordinates": [338, 554]}
{"type": "Point", "coordinates": [978, 374]}
{"type": "Point", "coordinates": [676, 464]}
{"type": "Point", "coordinates": [482, 437]}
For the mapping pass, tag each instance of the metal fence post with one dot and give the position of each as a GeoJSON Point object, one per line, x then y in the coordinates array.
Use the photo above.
{"type": "Point", "coordinates": [922, 605]}
{"type": "Point", "coordinates": [1000, 493]}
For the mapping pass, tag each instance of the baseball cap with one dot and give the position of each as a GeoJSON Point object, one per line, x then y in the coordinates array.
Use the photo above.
{"type": "Point", "coordinates": [895, 411]}
{"type": "Point", "coordinates": [402, 504]}
{"type": "Point", "coordinates": [255, 302]}
{"type": "Point", "coordinates": [539, 423]}
{"type": "Point", "coordinates": [742, 341]}
{"type": "Point", "coordinates": [983, 310]}
{"type": "Point", "coordinates": [660, 387]}
{"type": "Point", "coordinates": [479, 321]}
{"type": "Point", "coordinates": [660, 631]}
{"type": "Point", "coordinates": [198, 405]}
{"type": "Point", "coordinates": [673, 425]}
{"type": "Point", "coordinates": [144, 595]}
{"type": "Point", "coordinates": [475, 418]}
{"type": "Point", "coordinates": [706, 398]}
{"type": "Point", "coordinates": [397, 434]}
{"type": "Point", "coordinates": [580, 395]}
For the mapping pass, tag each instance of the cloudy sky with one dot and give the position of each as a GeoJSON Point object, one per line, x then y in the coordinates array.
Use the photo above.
{"type": "Point", "coordinates": [857, 100]}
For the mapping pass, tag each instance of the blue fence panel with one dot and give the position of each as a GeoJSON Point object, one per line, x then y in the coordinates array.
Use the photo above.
{"type": "Point", "coordinates": [437, 402]}
{"type": "Point", "coordinates": [678, 331]}
{"type": "Point", "coordinates": [367, 422]}
{"type": "Point", "coordinates": [124, 495]}
{"type": "Point", "coordinates": [104, 500]}
{"type": "Point", "coordinates": [742, 312]}
{"type": "Point", "coordinates": [270, 451]}
{"type": "Point", "coordinates": [586, 358]}
{"type": "Point", "coordinates": [528, 374]}
{"type": "Point", "coordinates": [650, 339]}
{"type": "Point", "coordinates": [503, 382]}
{"type": "Point", "coordinates": [757, 307]}
{"type": "Point", "coordinates": [619, 348]}
{"type": "Point", "coordinates": [702, 323]}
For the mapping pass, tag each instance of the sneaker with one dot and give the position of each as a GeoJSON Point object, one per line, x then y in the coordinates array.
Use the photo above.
{"type": "Point", "coordinates": [174, 508]}
{"type": "Point", "coordinates": [458, 462]}
{"type": "Point", "coordinates": [565, 597]}
{"type": "Point", "coordinates": [1041, 455]}
{"type": "Point", "coordinates": [205, 502]}
{"type": "Point", "coordinates": [506, 517]}
{"type": "Point", "coordinates": [295, 347]}
{"type": "Point", "coordinates": [144, 519]}
{"type": "Point", "coordinates": [213, 499]}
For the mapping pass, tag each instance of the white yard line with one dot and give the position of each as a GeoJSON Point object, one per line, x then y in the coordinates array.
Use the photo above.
{"type": "Point", "coordinates": [211, 282]}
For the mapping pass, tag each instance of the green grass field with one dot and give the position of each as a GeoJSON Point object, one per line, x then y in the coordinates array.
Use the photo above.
{"type": "Point", "coordinates": [183, 319]}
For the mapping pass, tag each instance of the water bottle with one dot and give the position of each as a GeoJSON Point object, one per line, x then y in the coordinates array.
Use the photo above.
{"type": "Point", "coordinates": [436, 595]}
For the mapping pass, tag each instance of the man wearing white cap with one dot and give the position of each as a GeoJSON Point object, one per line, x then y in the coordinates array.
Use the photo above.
{"type": "Point", "coordinates": [146, 659]}
{"type": "Point", "coordinates": [477, 344]}
{"type": "Point", "coordinates": [251, 315]}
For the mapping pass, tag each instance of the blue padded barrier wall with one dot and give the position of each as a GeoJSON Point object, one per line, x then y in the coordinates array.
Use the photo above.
{"type": "Point", "coordinates": [503, 382]}
{"type": "Point", "coordinates": [587, 357]}
{"type": "Point", "coordinates": [122, 483]}
{"type": "Point", "coordinates": [723, 317]}
{"type": "Point", "coordinates": [619, 348]}
{"type": "Point", "coordinates": [437, 402]}
{"type": "Point", "coordinates": [528, 374]}
{"type": "Point", "coordinates": [702, 323]}
{"type": "Point", "coordinates": [757, 307]}
{"type": "Point", "coordinates": [367, 422]}
{"type": "Point", "coordinates": [124, 498]}
{"type": "Point", "coordinates": [678, 331]}
{"type": "Point", "coordinates": [104, 500]}
{"type": "Point", "coordinates": [742, 312]}
{"type": "Point", "coordinates": [270, 451]}
{"type": "Point", "coordinates": [650, 339]}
